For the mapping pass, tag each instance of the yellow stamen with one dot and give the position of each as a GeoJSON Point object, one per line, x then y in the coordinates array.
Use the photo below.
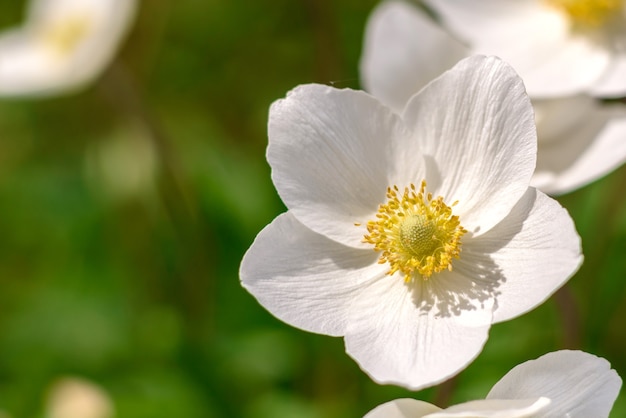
{"type": "Point", "coordinates": [589, 13]}
{"type": "Point", "coordinates": [64, 36]}
{"type": "Point", "coordinates": [417, 235]}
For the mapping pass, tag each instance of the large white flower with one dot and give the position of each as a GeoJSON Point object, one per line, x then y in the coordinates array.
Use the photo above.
{"type": "Point", "coordinates": [63, 45]}
{"type": "Point", "coordinates": [559, 47]}
{"type": "Point", "coordinates": [563, 384]}
{"type": "Point", "coordinates": [409, 235]}
{"type": "Point", "coordinates": [580, 139]}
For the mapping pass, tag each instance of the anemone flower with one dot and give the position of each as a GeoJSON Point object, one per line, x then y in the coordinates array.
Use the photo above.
{"type": "Point", "coordinates": [559, 47]}
{"type": "Point", "coordinates": [409, 235]}
{"type": "Point", "coordinates": [562, 384]}
{"type": "Point", "coordinates": [63, 45]}
{"type": "Point", "coordinates": [580, 138]}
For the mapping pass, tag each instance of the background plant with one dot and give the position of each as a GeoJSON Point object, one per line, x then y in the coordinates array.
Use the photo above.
{"type": "Point", "coordinates": [126, 209]}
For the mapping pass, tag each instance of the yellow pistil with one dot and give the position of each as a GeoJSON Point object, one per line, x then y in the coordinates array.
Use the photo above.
{"type": "Point", "coordinates": [417, 235]}
{"type": "Point", "coordinates": [589, 13]}
{"type": "Point", "coordinates": [64, 36]}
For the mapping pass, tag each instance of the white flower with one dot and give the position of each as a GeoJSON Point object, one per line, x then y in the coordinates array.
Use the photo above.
{"type": "Point", "coordinates": [477, 246]}
{"type": "Point", "coordinates": [559, 47]}
{"type": "Point", "coordinates": [62, 46]}
{"type": "Point", "coordinates": [563, 384]}
{"type": "Point", "coordinates": [580, 140]}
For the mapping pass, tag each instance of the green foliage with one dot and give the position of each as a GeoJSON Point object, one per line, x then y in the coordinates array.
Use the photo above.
{"type": "Point", "coordinates": [122, 231]}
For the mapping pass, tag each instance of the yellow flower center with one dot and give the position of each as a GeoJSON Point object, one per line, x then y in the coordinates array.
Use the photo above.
{"type": "Point", "coordinates": [65, 35]}
{"type": "Point", "coordinates": [589, 12]}
{"type": "Point", "coordinates": [417, 235]}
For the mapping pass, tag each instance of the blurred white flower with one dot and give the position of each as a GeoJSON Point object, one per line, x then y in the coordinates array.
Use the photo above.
{"type": "Point", "coordinates": [73, 397]}
{"type": "Point", "coordinates": [562, 384]}
{"type": "Point", "coordinates": [62, 46]}
{"type": "Point", "coordinates": [440, 193]}
{"type": "Point", "coordinates": [559, 47]}
{"type": "Point", "coordinates": [580, 139]}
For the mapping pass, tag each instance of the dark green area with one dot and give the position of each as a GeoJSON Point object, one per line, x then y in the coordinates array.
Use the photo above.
{"type": "Point", "coordinates": [132, 281]}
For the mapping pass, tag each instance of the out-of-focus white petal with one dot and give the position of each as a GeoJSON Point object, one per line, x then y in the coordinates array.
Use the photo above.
{"type": "Point", "coordinates": [553, 67]}
{"type": "Point", "coordinates": [416, 334]}
{"type": "Point", "coordinates": [534, 250]}
{"type": "Point", "coordinates": [304, 278]}
{"type": "Point", "coordinates": [333, 155]}
{"type": "Point", "coordinates": [25, 66]}
{"type": "Point", "coordinates": [404, 50]}
{"type": "Point", "coordinates": [556, 117]}
{"type": "Point", "coordinates": [581, 150]}
{"type": "Point", "coordinates": [494, 408]}
{"type": "Point", "coordinates": [63, 45]}
{"type": "Point", "coordinates": [613, 82]}
{"type": "Point", "coordinates": [578, 384]}
{"type": "Point", "coordinates": [477, 129]}
{"type": "Point", "coordinates": [402, 408]}
{"type": "Point", "coordinates": [536, 39]}
{"type": "Point", "coordinates": [477, 20]}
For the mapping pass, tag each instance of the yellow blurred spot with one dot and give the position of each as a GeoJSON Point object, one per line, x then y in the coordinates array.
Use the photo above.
{"type": "Point", "coordinates": [589, 13]}
{"type": "Point", "coordinates": [65, 35]}
{"type": "Point", "coordinates": [75, 397]}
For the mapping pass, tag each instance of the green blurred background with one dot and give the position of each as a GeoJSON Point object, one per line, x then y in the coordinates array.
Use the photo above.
{"type": "Point", "coordinates": [126, 208]}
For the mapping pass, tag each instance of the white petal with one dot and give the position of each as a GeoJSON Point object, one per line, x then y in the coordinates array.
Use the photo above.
{"type": "Point", "coordinates": [559, 67]}
{"type": "Point", "coordinates": [403, 51]}
{"type": "Point", "coordinates": [537, 40]}
{"type": "Point", "coordinates": [556, 118]}
{"type": "Point", "coordinates": [25, 66]}
{"type": "Point", "coordinates": [476, 124]}
{"type": "Point", "coordinates": [41, 58]}
{"type": "Point", "coordinates": [584, 151]}
{"type": "Point", "coordinates": [303, 278]}
{"type": "Point", "coordinates": [533, 251]}
{"type": "Point", "coordinates": [478, 20]}
{"type": "Point", "coordinates": [332, 154]}
{"type": "Point", "coordinates": [402, 408]}
{"type": "Point", "coordinates": [494, 408]}
{"type": "Point", "coordinates": [416, 335]}
{"type": "Point", "coordinates": [613, 82]}
{"type": "Point", "coordinates": [579, 385]}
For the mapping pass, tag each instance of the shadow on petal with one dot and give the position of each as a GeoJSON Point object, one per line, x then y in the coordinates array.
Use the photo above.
{"type": "Point", "coordinates": [474, 282]}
